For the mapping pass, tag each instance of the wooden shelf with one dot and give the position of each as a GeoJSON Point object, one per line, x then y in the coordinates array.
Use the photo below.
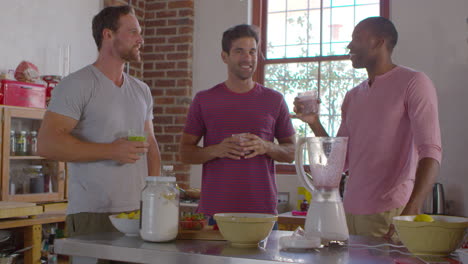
{"type": "Point", "coordinates": [18, 209]}
{"type": "Point", "coordinates": [46, 218]}
{"type": "Point", "coordinates": [26, 157]}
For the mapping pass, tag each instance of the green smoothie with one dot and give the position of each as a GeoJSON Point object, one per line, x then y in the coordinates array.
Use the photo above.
{"type": "Point", "coordinates": [137, 138]}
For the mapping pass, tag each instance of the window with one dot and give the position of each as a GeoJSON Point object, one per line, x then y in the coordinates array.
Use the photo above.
{"type": "Point", "coordinates": [303, 48]}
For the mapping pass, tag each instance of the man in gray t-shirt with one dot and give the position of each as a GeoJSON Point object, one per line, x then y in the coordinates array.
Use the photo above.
{"type": "Point", "coordinates": [87, 124]}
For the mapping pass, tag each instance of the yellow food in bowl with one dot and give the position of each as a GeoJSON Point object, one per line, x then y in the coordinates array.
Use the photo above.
{"type": "Point", "coordinates": [423, 218]}
{"type": "Point", "coordinates": [440, 237]}
{"type": "Point", "coordinates": [131, 215]}
{"type": "Point", "coordinates": [245, 229]}
{"type": "Point", "coordinates": [125, 224]}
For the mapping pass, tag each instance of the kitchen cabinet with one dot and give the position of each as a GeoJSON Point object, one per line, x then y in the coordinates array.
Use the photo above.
{"type": "Point", "coordinates": [26, 177]}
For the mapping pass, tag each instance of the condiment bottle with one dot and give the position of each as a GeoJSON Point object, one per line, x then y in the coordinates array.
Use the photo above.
{"type": "Point", "coordinates": [12, 143]}
{"type": "Point", "coordinates": [21, 144]}
{"type": "Point", "coordinates": [304, 205]}
{"type": "Point", "coordinates": [33, 143]}
{"type": "Point", "coordinates": [159, 220]}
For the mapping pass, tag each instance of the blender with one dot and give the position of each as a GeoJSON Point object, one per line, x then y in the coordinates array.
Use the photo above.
{"type": "Point", "coordinates": [325, 216]}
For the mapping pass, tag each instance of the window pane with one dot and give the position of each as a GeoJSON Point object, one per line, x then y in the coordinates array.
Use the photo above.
{"type": "Point", "coordinates": [366, 11]}
{"type": "Point", "coordinates": [294, 26]}
{"type": "Point", "coordinates": [276, 5]}
{"type": "Point", "coordinates": [342, 24]}
{"type": "Point", "coordinates": [314, 50]}
{"type": "Point", "coordinates": [338, 3]}
{"type": "Point", "coordinates": [360, 2]}
{"type": "Point", "coordinates": [339, 48]}
{"type": "Point", "coordinates": [337, 77]}
{"type": "Point", "coordinates": [290, 79]}
{"type": "Point", "coordinates": [314, 31]}
{"type": "Point", "coordinates": [297, 28]}
{"type": "Point", "coordinates": [296, 51]}
{"type": "Point", "coordinates": [276, 35]}
{"type": "Point", "coordinates": [314, 4]}
{"type": "Point", "coordinates": [297, 4]}
{"type": "Point", "coordinates": [338, 24]}
{"type": "Point", "coordinates": [277, 52]}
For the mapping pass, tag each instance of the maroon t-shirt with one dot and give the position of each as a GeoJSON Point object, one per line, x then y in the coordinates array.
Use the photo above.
{"type": "Point", "coordinates": [245, 185]}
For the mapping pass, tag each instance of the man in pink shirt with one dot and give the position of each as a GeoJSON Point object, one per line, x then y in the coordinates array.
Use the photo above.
{"type": "Point", "coordinates": [391, 119]}
{"type": "Point", "coordinates": [238, 171]}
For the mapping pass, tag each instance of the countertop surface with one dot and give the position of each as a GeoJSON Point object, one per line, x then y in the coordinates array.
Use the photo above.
{"type": "Point", "coordinates": [116, 246]}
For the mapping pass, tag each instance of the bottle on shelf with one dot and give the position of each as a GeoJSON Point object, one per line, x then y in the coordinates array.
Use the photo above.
{"type": "Point", "coordinates": [36, 178]}
{"type": "Point", "coordinates": [12, 143]}
{"type": "Point", "coordinates": [32, 150]}
{"type": "Point", "coordinates": [21, 144]}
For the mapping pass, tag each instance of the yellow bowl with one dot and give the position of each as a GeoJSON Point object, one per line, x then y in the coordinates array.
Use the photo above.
{"type": "Point", "coordinates": [245, 229]}
{"type": "Point", "coordinates": [440, 237]}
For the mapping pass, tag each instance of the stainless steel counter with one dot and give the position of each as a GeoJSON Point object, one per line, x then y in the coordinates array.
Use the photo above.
{"type": "Point", "coordinates": [116, 246]}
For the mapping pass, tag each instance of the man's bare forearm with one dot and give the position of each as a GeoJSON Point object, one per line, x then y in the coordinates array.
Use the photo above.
{"type": "Point", "coordinates": [283, 152]}
{"type": "Point", "coordinates": [65, 147]}
{"type": "Point", "coordinates": [193, 154]}
{"type": "Point", "coordinates": [426, 173]}
{"type": "Point", "coordinates": [318, 129]}
{"type": "Point", "coordinates": [154, 159]}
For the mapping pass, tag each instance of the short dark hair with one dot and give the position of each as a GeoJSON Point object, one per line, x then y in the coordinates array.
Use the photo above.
{"type": "Point", "coordinates": [108, 18]}
{"type": "Point", "coordinates": [382, 27]}
{"type": "Point", "coordinates": [237, 32]}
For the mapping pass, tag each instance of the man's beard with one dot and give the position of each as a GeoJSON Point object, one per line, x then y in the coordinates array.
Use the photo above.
{"type": "Point", "coordinates": [131, 56]}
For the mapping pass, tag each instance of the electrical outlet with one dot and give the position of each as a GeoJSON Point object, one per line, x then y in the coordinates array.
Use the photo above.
{"type": "Point", "coordinates": [283, 197]}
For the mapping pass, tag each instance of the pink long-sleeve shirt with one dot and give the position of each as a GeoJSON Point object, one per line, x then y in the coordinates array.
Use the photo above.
{"type": "Point", "coordinates": [391, 125]}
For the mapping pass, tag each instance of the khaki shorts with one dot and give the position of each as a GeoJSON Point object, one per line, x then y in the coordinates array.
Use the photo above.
{"type": "Point", "coordinates": [88, 223]}
{"type": "Point", "coordinates": [376, 225]}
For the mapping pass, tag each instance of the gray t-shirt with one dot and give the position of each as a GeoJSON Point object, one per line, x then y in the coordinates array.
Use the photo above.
{"type": "Point", "coordinates": [104, 113]}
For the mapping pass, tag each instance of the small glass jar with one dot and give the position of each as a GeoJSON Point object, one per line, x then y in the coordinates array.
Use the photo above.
{"type": "Point", "coordinates": [21, 144]}
{"type": "Point", "coordinates": [159, 209]}
{"type": "Point", "coordinates": [32, 143]}
{"type": "Point", "coordinates": [12, 143]}
{"type": "Point", "coordinates": [36, 178]}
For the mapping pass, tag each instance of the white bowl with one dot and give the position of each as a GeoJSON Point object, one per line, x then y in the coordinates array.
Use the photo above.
{"type": "Point", "coordinates": [130, 227]}
{"type": "Point", "coordinates": [463, 255]}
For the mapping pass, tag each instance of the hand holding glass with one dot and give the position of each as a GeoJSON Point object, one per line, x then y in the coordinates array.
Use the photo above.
{"type": "Point", "coordinates": [136, 136]}
{"type": "Point", "coordinates": [242, 137]}
{"type": "Point", "coordinates": [309, 102]}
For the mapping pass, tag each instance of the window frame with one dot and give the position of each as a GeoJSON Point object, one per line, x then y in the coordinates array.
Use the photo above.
{"type": "Point", "coordinates": [259, 19]}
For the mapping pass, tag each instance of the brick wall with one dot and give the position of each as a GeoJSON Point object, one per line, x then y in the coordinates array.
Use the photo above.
{"type": "Point", "coordinates": [167, 68]}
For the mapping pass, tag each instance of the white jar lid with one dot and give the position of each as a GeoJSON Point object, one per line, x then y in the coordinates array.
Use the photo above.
{"type": "Point", "coordinates": [160, 179]}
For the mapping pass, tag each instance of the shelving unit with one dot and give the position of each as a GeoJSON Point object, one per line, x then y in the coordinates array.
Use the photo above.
{"type": "Point", "coordinates": [13, 174]}
{"type": "Point", "coordinates": [15, 183]}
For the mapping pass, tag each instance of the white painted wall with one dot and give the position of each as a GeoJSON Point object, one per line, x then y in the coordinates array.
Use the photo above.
{"type": "Point", "coordinates": [34, 30]}
{"type": "Point", "coordinates": [433, 39]}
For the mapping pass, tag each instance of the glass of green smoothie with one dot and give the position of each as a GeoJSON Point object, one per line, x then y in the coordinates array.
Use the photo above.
{"type": "Point", "coordinates": [136, 136]}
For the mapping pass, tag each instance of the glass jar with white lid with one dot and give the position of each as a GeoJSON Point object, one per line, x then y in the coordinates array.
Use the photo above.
{"type": "Point", "coordinates": [159, 209]}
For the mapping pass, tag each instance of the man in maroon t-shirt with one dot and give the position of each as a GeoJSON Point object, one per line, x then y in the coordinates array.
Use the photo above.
{"type": "Point", "coordinates": [238, 171]}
